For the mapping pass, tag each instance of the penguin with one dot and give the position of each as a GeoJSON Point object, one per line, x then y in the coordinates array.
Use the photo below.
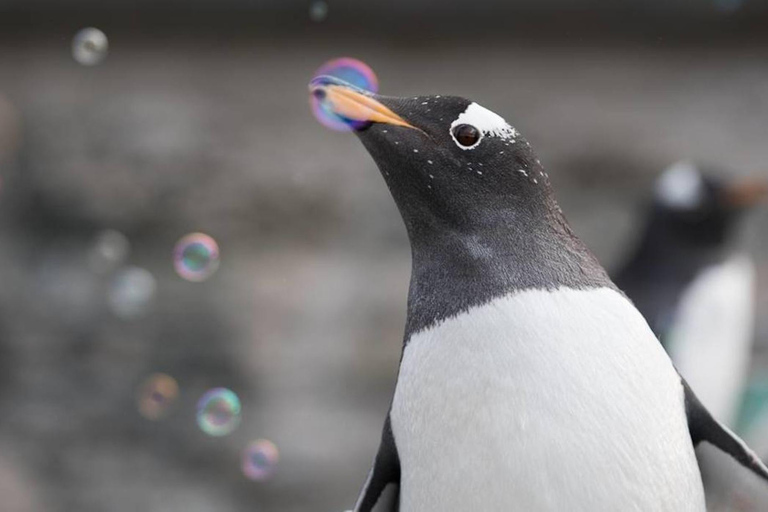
{"type": "Point", "coordinates": [527, 380]}
{"type": "Point", "coordinates": [696, 293]}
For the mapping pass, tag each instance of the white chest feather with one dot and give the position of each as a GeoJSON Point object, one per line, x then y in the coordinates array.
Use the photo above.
{"type": "Point", "coordinates": [543, 401]}
{"type": "Point", "coordinates": [711, 339]}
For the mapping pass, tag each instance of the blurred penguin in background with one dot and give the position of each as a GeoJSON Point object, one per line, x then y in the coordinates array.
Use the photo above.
{"type": "Point", "coordinates": [697, 292]}
{"type": "Point", "coordinates": [694, 290]}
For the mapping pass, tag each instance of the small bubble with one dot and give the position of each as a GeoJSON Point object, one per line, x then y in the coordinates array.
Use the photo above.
{"type": "Point", "coordinates": [108, 251]}
{"type": "Point", "coordinates": [156, 395]}
{"type": "Point", "coordinates": [318, 11]}
{"type": "Point", "coordinates": [131, 292]}
{"type": "Point", "coordinates": [727, 6]}
{"type": "Point", "coordinates": [196, 257]}
{"type": "Point", "coordinates": [218, 412]}
{"type": "Point", "coordinates": [260, 459]}
{"type": "Point", "coordinates": [352, 71]}
{"type": "Point", "coordinates": [89, 46]}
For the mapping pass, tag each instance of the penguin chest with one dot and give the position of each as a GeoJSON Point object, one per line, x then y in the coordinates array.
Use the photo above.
{"type": "Point", "coordinates": [543, 400]}
{"type": "Point", "coordinates": [711, 338]}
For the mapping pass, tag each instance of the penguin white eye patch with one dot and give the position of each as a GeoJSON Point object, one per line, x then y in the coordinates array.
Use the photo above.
{"type": "Point", "coordinates": [681, 186]}
{"type": "Point", "coordinates": [481, 120]}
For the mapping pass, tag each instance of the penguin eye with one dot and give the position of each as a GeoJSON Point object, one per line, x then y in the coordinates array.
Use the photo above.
{"type": "Point", "coordinates": [466, 135]}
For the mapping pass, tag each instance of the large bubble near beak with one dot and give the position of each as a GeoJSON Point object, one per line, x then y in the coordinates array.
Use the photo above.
{"type": "Point", "coordinates": [350, 71]}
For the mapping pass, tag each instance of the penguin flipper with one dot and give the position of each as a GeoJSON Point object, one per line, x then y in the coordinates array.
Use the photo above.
{"type": "Point", "coordinates": [385, 470]}
{"type": "Point", "coordinates": [703, 427]}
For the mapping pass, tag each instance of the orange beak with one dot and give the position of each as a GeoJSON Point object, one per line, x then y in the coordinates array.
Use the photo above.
{"type": "Point", "coordinates": [355, 106]}
{"type": "Point", "coordinates": [747, 193]}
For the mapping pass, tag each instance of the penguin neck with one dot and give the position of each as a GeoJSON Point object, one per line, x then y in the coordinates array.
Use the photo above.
{"type": "Point", "coordinates": [456, 269]}
{"type": "Point", "coordinates": [661, 245]}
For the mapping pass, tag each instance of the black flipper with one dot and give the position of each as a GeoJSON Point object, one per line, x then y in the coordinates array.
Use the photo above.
{"type": "Point", "coordinates": [703, 427]}
{"type": "Point", "coordinates": [385, 470]}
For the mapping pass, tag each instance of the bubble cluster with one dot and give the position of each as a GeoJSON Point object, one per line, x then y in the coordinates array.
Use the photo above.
{"type": "Point", "coordinates": [318, 11]}
{"type": "Point", "coordinates": [218, 412]}
{"type": "Point", "coordinates": [156, 395]}
{"type": "Point", "coordinates": [260, 459]}
{"type": "Point", "coordinates": [131, 292]}
{"type": "Point", "coordinates": [351, 71]}
{"type": "Point", "coordinates": [89, 46]}
{"type": "Point", "coordinates": [196, 257]}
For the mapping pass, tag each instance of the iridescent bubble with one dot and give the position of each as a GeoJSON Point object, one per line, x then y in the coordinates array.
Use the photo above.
{"type": "Point", "coordinates": [351, 71]}
{"type": "Point", "coordinates": [156, 395]}
{"type": "Point", "coordinates": [318, 11]}
{"type": "Point", "coordinates": [218, 412]}
{"type": "Point", "coordinates": [196, 257]}
{"type": "Point", "coordinates": [131, 292]}
{"type": "Point", "coordinates": [109, 251]}
{"type": "Point", "coordinates": [727, 6]}
{"type": "Point", "coordinates": [260, 459]}
{"type": "Point", "coordinates": [90, 46]}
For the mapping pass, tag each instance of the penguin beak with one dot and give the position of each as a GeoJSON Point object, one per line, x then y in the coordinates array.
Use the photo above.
{"type": "Point", "coordinates": [354, 105]}
{"type": "Point", "coordinates": [746, 193]}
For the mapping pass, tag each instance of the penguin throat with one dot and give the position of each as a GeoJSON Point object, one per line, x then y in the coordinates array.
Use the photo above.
{"type": "Point", "coordinates": [454, 271]}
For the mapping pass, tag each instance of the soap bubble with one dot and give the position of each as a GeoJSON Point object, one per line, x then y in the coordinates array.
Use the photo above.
{"type": "Point", "coordinates": [90, 46]}
{"type": "Point", "coordinates": [196, 257]}
{"type": "Point", "coordinates": [156, 395]}
{"type": "Point", "coordinates": [109, 251]}
{"type": "Point", "coordinates": [727, 6]}
{"type": "Point", "coordinates": [351, 71]}
{"type": "Point", "coordinates": [260, 460]}
{"type": "Point", "coordinates": [318, 11]}
{"type": "Point", "coordinates": [131, 292]}
{"type": "Point", "coordinates": [218, 412]}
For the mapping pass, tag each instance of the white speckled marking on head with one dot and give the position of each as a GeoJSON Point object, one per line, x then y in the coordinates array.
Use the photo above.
{"type": "Point", "coordinates": [680, 186]}
{"type": "Point", "coordinates": [488, 123]}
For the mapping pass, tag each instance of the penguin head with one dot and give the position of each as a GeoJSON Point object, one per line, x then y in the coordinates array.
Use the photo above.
{"type": "Point", "coordinates": [447, 160]}
{"type": "Point", "coordinates": [699, 206]}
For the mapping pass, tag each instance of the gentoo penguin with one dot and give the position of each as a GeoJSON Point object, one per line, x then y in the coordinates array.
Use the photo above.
{"type": "Point", "coordinates": [697, 295]}
{"type": "Point", "coordinates": [527, 380]}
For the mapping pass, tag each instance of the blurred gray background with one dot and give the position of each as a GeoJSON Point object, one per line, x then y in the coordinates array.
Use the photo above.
{"type": "Point", "coordinates": [198, 120]}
